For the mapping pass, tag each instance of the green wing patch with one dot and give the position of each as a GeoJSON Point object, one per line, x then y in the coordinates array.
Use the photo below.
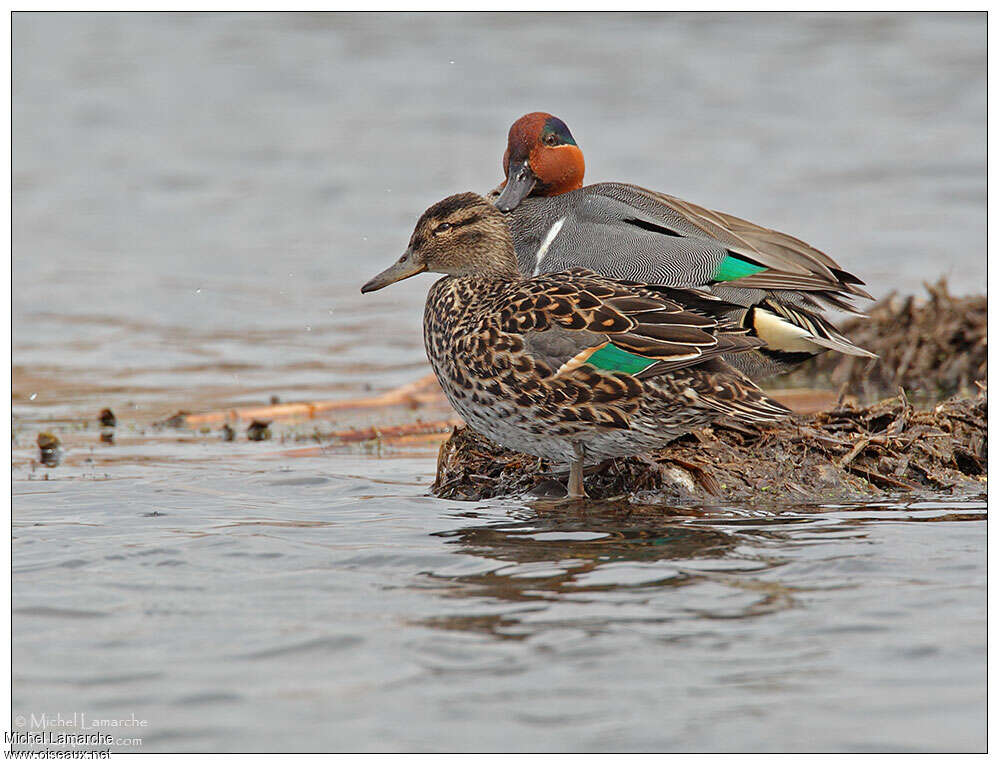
{"type": "Point", "coordinates": [613, 359]}
{"type": "Point", "coordinates": [732, 267]}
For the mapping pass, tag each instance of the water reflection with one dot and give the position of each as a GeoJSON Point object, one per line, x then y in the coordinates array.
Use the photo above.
{"type": "Point", "coordinates": [564, 565]}
{"type": "Point", "coordinates": [557, 573]}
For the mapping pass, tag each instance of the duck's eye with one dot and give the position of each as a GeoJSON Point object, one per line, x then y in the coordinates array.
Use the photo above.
{"type": "Point", "coordinates": [551, 139]}
{"type": "Point", "coordinates": [442, 228]}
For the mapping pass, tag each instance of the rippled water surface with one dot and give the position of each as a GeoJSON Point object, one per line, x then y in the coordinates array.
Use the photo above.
{"type": "Point", "coordinates": [196, 201]}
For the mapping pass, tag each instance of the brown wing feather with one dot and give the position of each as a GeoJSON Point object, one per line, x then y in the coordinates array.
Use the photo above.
{"type": "Point", "coordinates": [726, 390]}
{"type": "Point", "coordinates": [652, 324]}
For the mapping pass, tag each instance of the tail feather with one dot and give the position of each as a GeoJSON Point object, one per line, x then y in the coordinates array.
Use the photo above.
{"type": "Point", "coordinates": [792, 329]}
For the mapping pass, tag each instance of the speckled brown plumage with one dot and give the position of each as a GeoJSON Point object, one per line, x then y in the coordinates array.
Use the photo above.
{"type": "Point", "coordinates": [571, 366]}
{"type": "Point", "coordinates": [503, 352]}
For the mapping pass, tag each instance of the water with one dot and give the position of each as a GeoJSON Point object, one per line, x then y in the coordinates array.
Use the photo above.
{"type": "Point", "coordinates": [197, 199]}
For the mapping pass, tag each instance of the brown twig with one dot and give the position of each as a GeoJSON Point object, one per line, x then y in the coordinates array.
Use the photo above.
{"type": "Point", "coordinates": [438, 427]}
{"type": "Point", "coordinates": [422, 391]}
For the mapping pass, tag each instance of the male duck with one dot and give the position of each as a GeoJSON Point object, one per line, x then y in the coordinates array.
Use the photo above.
{"type": "Point", "coordinates": [778, 283]}
{"type": "Point", "coordinates": [571, 366]}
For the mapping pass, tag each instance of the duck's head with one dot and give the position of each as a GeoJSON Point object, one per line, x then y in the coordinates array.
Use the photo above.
{"type": "Point", "coordinates": [541, 159]}
{"type": "Point", "coordinates": [463, 235]}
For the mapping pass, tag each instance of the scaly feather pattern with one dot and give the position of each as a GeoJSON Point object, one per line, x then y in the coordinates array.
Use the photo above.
{"type": "Point", "coordinates": [514, 359]}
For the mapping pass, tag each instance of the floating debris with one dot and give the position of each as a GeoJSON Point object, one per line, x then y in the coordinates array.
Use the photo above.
{"type": "Point", "coordinates": [50, 449]}
{"type": "Point", "coordinates": [846, 453]}
{"type": "Point", "coordinates": [413, 395]}
{"type": "Point", "coordinates": [108, 422]}
{"type": "Point", "coordinates": [178, 420]}
{"type": "Point", "coordinates": [390, 432]}
{"type": "Point", "coordinates": [259, 430]}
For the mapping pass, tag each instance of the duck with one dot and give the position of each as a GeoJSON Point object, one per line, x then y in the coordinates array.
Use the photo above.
{"type": "Point", "coordinates": [570, 366]}
{"type": "Point", "coordinates": [779, 284]}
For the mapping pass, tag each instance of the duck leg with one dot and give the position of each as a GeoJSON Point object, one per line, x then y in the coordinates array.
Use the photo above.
{"type": "Point", "coordinates": [575, 488]}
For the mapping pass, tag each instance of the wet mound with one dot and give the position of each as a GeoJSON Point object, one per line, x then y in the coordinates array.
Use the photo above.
{"type": "Point", "coordinates": [848, 452]}
{"type": "Point", "coordinates": [933, 348]}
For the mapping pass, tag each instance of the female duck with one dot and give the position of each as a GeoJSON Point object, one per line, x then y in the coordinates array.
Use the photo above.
{"type": "Point", "coordinates": [570, 366]}
{"type": "Point", "coordinates": [778, 283]}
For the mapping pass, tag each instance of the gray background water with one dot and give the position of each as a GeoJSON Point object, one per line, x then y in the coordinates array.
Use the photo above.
{"type": "Point", "coordinates": [197, 199]}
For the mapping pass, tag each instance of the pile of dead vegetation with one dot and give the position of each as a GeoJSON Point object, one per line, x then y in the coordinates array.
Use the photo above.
{"type": "Point", "coordinates": [849, 452]}
{"type": "Point", "coordinates": [933, 348]}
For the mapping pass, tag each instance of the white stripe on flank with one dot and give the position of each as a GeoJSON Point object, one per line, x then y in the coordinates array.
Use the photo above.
{"type": "Point", "coordinates": [543, 249]}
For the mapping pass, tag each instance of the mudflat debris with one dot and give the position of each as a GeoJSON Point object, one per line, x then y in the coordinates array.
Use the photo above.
{"type": "Point", "coordinates": [259, 430]}
{"type": "Point", "coordinates": [49, 449]}
{"type": "Point", "coordinates": [848, 452]}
